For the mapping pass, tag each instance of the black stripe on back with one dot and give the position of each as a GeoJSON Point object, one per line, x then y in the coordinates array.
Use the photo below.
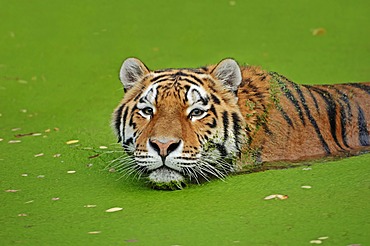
{"type": "Point", "coordinates": [225, 121]}
{"type": "Point", "coordinates": [363, 134]}
{"type": "Point", "coordinates": [331, 110]}
{"type": "Point", "coordinates": [288, 94]}
{"type": "Point", "coordinates": [312, 119]}
{"type": "Point", "coordinates": [343, 123]}
{"type": "Point", "coordinates": [363, 87]}
{"type": "Point", "coordinates": [313, 98]}
{"type": "Point", "coordinates": [346, 100]}
{"type": "Point", "coordinates": [286, 116]}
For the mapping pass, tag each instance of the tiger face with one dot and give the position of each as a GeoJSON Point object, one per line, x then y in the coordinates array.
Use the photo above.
{"type": "Point", "coordinates": [180, 125]}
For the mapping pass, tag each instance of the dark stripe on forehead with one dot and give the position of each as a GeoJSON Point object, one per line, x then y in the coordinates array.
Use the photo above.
{"type": "Point", "coordinates": [159, 77]}
{"type": "Point", "coordinates": [181, 73]}
{"type": "Point", "coordinates": [161, 80]}
{"type": "Point", "coordinates": [196, 79]}
{"type": "Point", "coordinates": [215, 99]}
{"type": "Point", "coordinates": [189, 81]}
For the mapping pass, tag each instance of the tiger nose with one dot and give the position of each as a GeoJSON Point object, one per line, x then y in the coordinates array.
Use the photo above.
{"type": "Point", "coordinates": [164, 148]}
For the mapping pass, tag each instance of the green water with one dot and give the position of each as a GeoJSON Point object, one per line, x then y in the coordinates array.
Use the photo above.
{"type": "Point", "coordinates": [59, 65]}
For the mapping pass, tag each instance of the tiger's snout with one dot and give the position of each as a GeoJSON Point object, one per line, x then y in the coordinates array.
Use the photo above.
{"type": "Point", "coordinates": [164, 147]}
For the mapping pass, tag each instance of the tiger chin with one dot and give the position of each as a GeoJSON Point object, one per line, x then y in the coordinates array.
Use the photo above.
{"type": "Point", "coordinates": [181, 126]}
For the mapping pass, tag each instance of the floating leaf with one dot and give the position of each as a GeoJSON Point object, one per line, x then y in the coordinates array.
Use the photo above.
{"type": "Point", "coordinates": [115, 209]}
{"type": "Point", "coordinates": [276, 196]}
{"type": "Point", "coordinates": [318, 31]}
{"type": "Point", "coordinates": [11, 191]}
{"type": "Point", "coordinates": [72, 141]}
{"type": "Point", "coordinates": [306, 187]}
{"type": "Point", "coordinates": [14, 141]}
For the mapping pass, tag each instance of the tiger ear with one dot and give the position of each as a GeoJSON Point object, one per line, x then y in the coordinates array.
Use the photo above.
{"type": "Point", "coordinates": [228, 72]}
{"type": "Point", "coordinates": [132, 71]}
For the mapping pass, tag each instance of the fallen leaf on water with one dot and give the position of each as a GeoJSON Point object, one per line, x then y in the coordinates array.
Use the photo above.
{"type": "Point", "coordinates": [14, 141]}
{"type": "Point", "coordinates": [115, 209]}
{"type": "Point", "coordinates": [316, 241]}
{"type": "Point", "coordinates": [276, 196]}
{"type": "Point", "coordinates": [306, 187]}
{"type": "Point", "coordinates": [11, 191]}
{"type": "Point", "coordinates": [90, 206]}
{"type": "Point", "coordinates": [72, 141]}
{"type": "Point", "coordinates": [323, 238]}
{"type": "Point", "coordinates": [318, 31]}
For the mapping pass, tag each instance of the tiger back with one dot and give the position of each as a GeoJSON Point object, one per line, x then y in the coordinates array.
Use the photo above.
{"type": "Point", "coordinates": [291, 122]}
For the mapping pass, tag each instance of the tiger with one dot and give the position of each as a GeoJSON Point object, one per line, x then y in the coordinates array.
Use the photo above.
{"type": "Point", "coordinates": [189, 125]}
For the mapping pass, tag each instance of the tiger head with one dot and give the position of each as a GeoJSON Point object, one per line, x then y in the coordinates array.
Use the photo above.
{"type": "Point", "coordinates": [180, 125]}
